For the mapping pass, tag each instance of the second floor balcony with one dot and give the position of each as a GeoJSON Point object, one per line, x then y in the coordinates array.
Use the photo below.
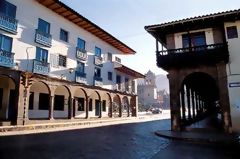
{"type": "Point", "coordinates": [81, 54]}
{"type": "Point", "coordinates": [193, 56]}
{"type": "Point", "coordinates": [8, 24]}
{"type": "Point", "coordinates": [6, 59]}
{"type": "Point", "coordinates": [81, 77]}
{"type": "Point", "coordinates": [40, 67]}
{"type": "Point", "coordinates": [43, 38]}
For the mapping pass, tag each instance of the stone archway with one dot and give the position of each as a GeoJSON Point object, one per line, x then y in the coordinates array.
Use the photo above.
{"type": "Point", "coordinates": [79, 106]}
{"type": "Point", "coordinates": [8, 107]}
{"type": "Point", "coordinates": [199, 97]}
{"type": "Point", "coordinates": [62, 97]}
{"type": "Point", "coordinates": [116, 105]}
{"type": "Point", "coordinates": [39, 101]}
{"type": "Point", "coordinates": [95, 104]}
{"type": "Point", "coordinates": [106, 105]}
{"type": "Point", "coordinates": [125, 107]}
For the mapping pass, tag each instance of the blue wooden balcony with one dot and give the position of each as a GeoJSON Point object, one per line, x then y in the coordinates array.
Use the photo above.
{"type": "Point", "coordinates": [40, 67]}
{"type": "Point", "coordinates": [81, 54]}
{"type": "Point", "coordinates": [80, 77]}
{"type": "Point", "coordinates": [43, 38]}
{"type": "Point", "coordinates": [193, 56]}
{"type": "Point", "coordinates": [6, 59]}
{"type": "Point", "coordinates": [8, 24]}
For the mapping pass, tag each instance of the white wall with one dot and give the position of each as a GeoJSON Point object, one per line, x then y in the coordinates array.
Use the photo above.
{"type": "Point", "coordinates": [233, 71]}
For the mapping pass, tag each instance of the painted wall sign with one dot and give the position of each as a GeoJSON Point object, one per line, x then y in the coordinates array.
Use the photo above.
{"type": "Point", "coordinates": [234, 84]}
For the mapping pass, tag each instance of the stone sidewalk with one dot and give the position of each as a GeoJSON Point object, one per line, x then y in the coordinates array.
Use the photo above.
{"type": "Point", "coordinates": [79, 124]}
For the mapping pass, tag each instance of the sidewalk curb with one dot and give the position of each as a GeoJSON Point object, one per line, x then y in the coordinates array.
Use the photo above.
{"type": "Point", "coordinates": [209, 140]}
{"type": "Point", "coordinates": [62, 126]}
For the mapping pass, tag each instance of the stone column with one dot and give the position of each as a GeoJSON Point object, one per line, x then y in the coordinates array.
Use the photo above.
{"type": "Point", "coordinates": [70, 108]}
{"type": "Point", "coordinates": [100, 108]}
{"type": "Point", "coordinates": [193, 103]}
{"type": "Point", "coordinates": [87, 107]}
{"type": "Point", "coordinates": [174, 101]}
{"type": "Point", "coordinates": [183, 104]}
{"type": "Point", "coordinates": [51, 107]}
{"type": "Point", "coordinates": [188, 103]}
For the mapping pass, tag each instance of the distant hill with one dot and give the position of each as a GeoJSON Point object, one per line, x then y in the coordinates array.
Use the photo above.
{"type": "Point", "coordinates": [162, 82]}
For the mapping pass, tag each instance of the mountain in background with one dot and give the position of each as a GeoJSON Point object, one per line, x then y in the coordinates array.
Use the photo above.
{"type": "Point", "coordinates": [162, 82]}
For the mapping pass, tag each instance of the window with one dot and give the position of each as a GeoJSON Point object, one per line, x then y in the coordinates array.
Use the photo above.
{"type": "Point", "coordinates": [97, 52]}
{"type": "Point", "coordinates": [80, 67]}
{"type": "Point", "coordinates": [43, 101]}
{"type": "Point", "coordinates": [109, 56]}
{"type": "Point", "coordinates": [110, 76]}
{"type": "Point", "coordinates": [90, 105]}
{"type": "Point", "coordinates": [97, 72]}
{"type": "Point", "coordinates": [80, 104]}
{"type": "Point", "coordinates": [193, 39]}
{"type": "Point", "coordinates": [118, 79]}
{"type": "Point", "coordinates": [42, 55]}
{"type": "Point", "coordinates": [63, 35]}
{"type": "Point", "coordinates": [5, 43]}
{"type": "Point", "coordinates": [62, 60]}
{"type": "Point", "coordinates": [30, 104]}
{"type": "Point", "coordinates": [81, 44]}
{"type": "Point", "coordinates": [8, 9]}
{"type": "Point", "coordinates": [43, 26]}
{"type": "Point", "coordinates": [104, 105]}
{"type": "Point", "coordinates": [232, 32]}
{"type": "Point", "coordinates": [59, 102]}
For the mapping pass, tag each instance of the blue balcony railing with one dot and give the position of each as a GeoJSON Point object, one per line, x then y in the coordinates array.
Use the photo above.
{"type": "Point", "coordinates": [81, 77]}
{"type": "Point", "coordinates": [6, 59]}
{"type": "Point", "coordinates": [81, 54]}
{"type": "Point", "coordinates": [43, 38]}
{"type": "Point", "coordinates": [8, 24]}
{"type": "Point", "coordinates": [40, 67]}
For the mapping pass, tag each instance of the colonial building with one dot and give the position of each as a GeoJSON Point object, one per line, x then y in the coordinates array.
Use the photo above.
{"type": "Point", "coordinates": [55, 64]}
{"type": "Point", "coordinates": [201, 56]}
{"type": "Point", "coordinates": [147, 90]}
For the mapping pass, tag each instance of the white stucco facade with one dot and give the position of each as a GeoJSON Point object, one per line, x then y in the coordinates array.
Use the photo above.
{"type": "Point", "coordinates": [24, 46]}
{"type": "Point", "coordinates": [233, 73]}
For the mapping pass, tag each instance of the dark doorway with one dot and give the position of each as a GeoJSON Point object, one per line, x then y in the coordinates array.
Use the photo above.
{"type": "Point", "coordinates": [97, 107]}
{"type": "Point", "coordinates": [11, 107]}
{"type": "Point", "coordinates": [59, 102]}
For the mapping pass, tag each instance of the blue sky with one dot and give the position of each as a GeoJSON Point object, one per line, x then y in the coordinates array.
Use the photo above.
{"type": "Point", "coordinates": [125, 19]}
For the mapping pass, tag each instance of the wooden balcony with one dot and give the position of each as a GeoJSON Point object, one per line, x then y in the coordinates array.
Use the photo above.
{"type": "Point", "coordinates": [193, 56]}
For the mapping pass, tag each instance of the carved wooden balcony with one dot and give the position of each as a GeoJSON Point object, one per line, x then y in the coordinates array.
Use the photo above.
{"type": "Point", "coordinates": [193, 56]}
